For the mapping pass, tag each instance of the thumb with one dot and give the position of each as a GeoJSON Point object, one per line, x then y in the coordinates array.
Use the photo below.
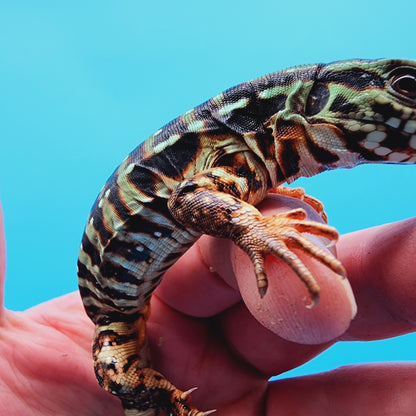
{"type": "Point", "coordinates": [283, 310]}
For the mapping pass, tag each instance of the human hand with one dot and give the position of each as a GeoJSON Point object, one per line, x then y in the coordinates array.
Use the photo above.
{"type": "Point", "coordinates": [202, 334]}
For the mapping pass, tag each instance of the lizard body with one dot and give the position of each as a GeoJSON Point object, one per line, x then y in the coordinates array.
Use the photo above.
{"type": "Point", "coordinates": [204, 172]}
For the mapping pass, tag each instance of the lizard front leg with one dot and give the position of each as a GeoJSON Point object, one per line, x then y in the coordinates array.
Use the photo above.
{"type": "Point", "coordinates": [202, 205]}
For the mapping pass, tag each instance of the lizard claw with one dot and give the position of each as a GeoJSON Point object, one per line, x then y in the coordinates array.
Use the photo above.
{"type": "Point", "coordinates": [208, 412]}
{"type": "Point", "coordinates": [185, 395]}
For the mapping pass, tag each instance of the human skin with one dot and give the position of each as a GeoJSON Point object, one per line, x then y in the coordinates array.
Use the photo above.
{"type": "Point", "coordinates": [209, 328]}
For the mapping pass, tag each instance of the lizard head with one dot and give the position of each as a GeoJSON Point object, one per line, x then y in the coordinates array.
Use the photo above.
{"type": "Point", "coordinates": [372, 107]}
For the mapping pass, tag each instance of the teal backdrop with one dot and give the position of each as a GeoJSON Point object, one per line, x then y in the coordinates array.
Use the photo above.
{"type": "Point", "coordinates": [84, 82]}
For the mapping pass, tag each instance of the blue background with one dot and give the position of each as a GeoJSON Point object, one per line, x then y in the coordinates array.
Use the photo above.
{"type": "Point", "coordinates": [84, 82]}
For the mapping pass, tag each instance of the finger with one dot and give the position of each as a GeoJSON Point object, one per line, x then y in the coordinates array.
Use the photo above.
{"type": "Point", "coordinates": [202, 282]}
{"type": "Point", "coordinates": [381, 267]}
{"type": "Point", "coordinates": [49, 347]}
{"type": "Point", "coordinates": [252, 334]}
{"type": "Point", "coordinates": [382, 389]}
{"type": "Point", "coordinates": [260, 348]}
{"type": "Point", "coordinates": [284, 308]}
{"type": "Point", "coordinates": [191, 352]}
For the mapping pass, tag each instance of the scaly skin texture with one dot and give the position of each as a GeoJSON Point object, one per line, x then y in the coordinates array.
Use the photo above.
{"type": "Point", "coordinates": [204, 172]}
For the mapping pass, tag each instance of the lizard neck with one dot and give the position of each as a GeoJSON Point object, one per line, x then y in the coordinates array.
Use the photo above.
{"type": "Point", "coordinates": [291, 146]}
{"type": "Point", "coordinates": [303, 148]}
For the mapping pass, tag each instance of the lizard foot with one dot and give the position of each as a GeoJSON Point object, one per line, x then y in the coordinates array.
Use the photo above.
{"type": "Point", "coordinates": [154, 393]}
{"type": "Point", "coordinates": [299, 193]}
{"type": "Point", "coordinates": [278, 235]}
{"type": "Point", "coordinates": [120, 351]}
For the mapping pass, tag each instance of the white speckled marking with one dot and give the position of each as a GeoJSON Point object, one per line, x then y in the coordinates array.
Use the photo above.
{"type": "Point", "coordinates": [412, 142]}
{"type": "Point", "coordinates": [382, 99]}
{"type": "Point", "coordinates": [397, 157]}
{"type": "Point", "coordinates": [370, 145]}
{"type": "Point", "coordinates": [376, 136]}
{"type": "Point", "coordinates": [241, 103]}
{"type": "Point", "coordinates": [393, 122]}
{"type": "Point", "coordinates": [196, 125]}
{"type": "Point", "coordinates": [129, 169]}
{"type": "Point", "coordinates": [382, 151]}
{"type": "Point", "coordinates": [270, 93]}
{"type": "Point", "coordinates": [354, 126]}
{"type": "Point", "coordinates": [410, 127]}
{"type": "Point", "coordinates": [166, 143]}
{"type": "Point", "coordinates": [368, 128]}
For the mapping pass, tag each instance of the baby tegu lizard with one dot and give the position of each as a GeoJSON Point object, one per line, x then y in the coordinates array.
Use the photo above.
{"type": "Point", "coordinates": [204, 172]}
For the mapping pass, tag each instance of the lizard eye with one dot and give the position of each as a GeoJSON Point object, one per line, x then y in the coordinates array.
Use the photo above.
{"type": "Point", "coordinates": [404, 84]}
